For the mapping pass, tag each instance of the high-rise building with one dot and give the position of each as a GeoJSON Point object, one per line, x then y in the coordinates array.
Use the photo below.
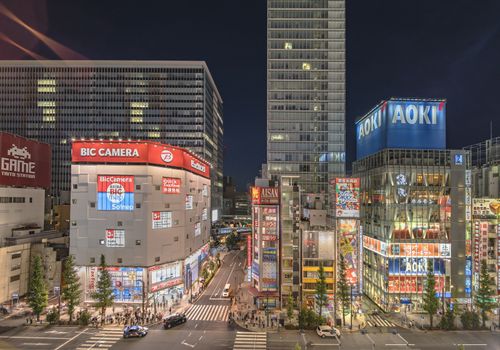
{"type": "Point", "coordinates": [306, 91]}
{"type": "Point", "coordinates": [176, 102]}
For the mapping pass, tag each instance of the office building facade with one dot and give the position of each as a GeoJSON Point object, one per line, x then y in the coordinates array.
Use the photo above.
{"type": "Point", "coordinates": [306, 91]}
{"type": "Point", "coordinates": [176, 102]}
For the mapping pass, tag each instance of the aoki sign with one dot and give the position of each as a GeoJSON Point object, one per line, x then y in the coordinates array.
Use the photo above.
{"type": "Point", "coordinates": [401, 123]}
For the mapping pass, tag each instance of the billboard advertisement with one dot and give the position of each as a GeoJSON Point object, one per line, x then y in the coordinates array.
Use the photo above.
{"type": "Point", "coordinates": [115, 238]}
{"type": "Point", "coordinates": [348, 246]}
{"type": "Point", "coordinates": [24, 162]}
{"type": "Point", "coordinates": [138, 152]}
{"type": "Point", "coordinates": [125, 282]}
{"type": "Point", "coordinates": [170, 185]}
{"type": "Point", "coordinates": [402, 123]}
{"type": "Point", "coordinates": [165, 276]}
{"type": "Point", "coordinates": [161, 219]}
{"type": "Point", "coordinates": [412, 284]}
{"type": "Point", "coordinates": [189, 201]}
{"type": "Point", "coordinates": [414, 266]}
{"type": "Point", "coordinates": [347, 197]}
{"type": "Point", "coordinates": [115, 192]}
{"type": "Point", "coordinates": [318, 245]}
{"type": "Point", "coordinates": [486, 208]}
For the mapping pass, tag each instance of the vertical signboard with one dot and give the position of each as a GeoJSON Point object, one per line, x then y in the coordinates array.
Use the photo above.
{"type": "Point", "coordinates": [249, 257]}
{"type": "Point", "coordinates": [348, 245]}
{"type": "Point", "coordinates": [347, 197]}
{"type": "Point", "coordinates": [115, 192]}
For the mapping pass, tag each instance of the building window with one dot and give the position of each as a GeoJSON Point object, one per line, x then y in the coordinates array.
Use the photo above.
{"type": "Point", "coordinates": [31, 199]}
{"type": "Point", "coordinates": [73, 223]}
{"type": "Point", "coordinates": [306, 66]}
{"type": "Point", "coordinates": [101, 241]}
{"type": "Point", "coordinates": [16, 256]}
{"type": "Point", "coordinates": [288, 46]}
{"type": "Point", "coordinates": [138, 187]}
{"type": "Point", "coordinates": [15, 278]}
{"type": "Point", "coordinates": [75, 186]}
{"type": "Point", "coordinates": [73, 201]}
{"type": "Point", "coordinates": [119, 260]}
{"type": "Point", "coordinates": [157, 187]}
{"type": "Point", "coordinates": [138, 205]}
{"type": "Point", "coordinates": [157, 259]}
{"type": "Point", "coordinates": [119, 223]}
{"type": "Point", "coordinates": [167, 205]}
{"type": "Point", "coordinates": [92, 260]}
{"type": "Point", "coordinates": [92, 204]}
{"type": "Point", "coordinates": [176, 238]}
{"type": "Point", "coordinates": [138, 242]}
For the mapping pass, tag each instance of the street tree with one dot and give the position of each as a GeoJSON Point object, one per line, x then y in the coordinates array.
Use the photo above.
{"type": "Point", "coordinates": [343, 288]}
{"type": "Point", "coordinates": [71, 287]}
{"type": "Point", "coordinates": [484, 296]}
{"type": "Point", "coordinates": [37, 295]}
{"type": "Point", "coordinates": [289, 307]}
{"type": "Point", "coordinates": [321, 290]}
{"type": "Point", "coordinates": [103, 294]}
{"type": "Point", "coordinates": [429, 298]}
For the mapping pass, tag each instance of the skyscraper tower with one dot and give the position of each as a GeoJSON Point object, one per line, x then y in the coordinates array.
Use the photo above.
{"type": "Point", "coordinates": [306, 90]}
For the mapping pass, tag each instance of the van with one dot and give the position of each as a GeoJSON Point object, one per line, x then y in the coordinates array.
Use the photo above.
{"type": "Point", "coordinates": [227, 291]}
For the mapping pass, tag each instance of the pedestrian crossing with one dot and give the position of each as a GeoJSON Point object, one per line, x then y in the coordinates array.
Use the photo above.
{"type": "Point", "coordinates": [103, 339]}
{"type": "Point", "coordinates": [250, 340]}
{"type": "Point", "coordinates": [378, 321]}
{"type": "Point", "coordinates": [208, 313]}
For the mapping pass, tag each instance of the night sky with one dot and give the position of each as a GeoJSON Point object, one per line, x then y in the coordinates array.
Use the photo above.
{"type": "Point", "coordinates": [428, 48]}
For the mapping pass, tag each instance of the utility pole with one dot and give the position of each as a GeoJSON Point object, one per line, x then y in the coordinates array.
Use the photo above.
{"type": "Point", "coordinates": [143, 299]}
{"type": "Point", "coordinates": [351, 306]}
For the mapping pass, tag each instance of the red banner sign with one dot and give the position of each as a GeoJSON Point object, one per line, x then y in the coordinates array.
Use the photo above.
{"type": "Point", "coordinates": [265, 195]}
{"type": "Point", "coordinates": [138, 152]}
{"type": "Point", "coordinates": [249, 251]}
{"type": "Point", "coordinates": [24, 162]}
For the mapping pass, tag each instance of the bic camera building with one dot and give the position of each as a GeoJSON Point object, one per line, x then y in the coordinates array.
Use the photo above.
{"type": "Point", "coordinates": [415, 204]}
{"type": "Point", "coordinates": [145, 206]}
{"type": "Point", "coordinates": [176, 102]}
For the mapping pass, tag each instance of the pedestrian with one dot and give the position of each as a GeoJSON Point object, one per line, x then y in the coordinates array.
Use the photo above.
{"type": "Point", "coordinates": [170, 310]}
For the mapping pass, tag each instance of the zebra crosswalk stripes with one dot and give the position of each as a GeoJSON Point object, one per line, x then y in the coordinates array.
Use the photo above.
{"type": "Point", "coordinates": [208, 313]}
{"type": "Point", "coordinates": [103, 339]}
{"type": "Point", "coordinates": [377, 321]}
{"type": "Point", "coordinates": [250, 340]}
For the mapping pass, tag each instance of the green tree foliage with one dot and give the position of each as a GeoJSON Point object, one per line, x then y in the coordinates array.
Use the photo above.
{"type": "Point", "coordinates": [321, 291]}
{"type": "Point", "coordinates": [37, 295]}
{"type": "Point", "coordinates": [308, 319]}
{"type": "Point", "coordinates": [289, 307]}
{"type": "Point", "coordinates": [71, 288]}
{"type": "Point", "coordinates": [297, 346]}
{"type": "Point", "coordinates": [343, 288]}
{"type": "Point", "coordinates": [470, 320]}
{"type": "Point", "coordinates": [103, 294]}
{"type": "Point", "coordinates": [231, 241]}
{"type": "Point", "coordinates": [430, 300]}
{"type": "Point", "coordinates": [84, 318]}
{"type": "Point", "coordinates": [53, 316]}
{"type": "Point", "coordinates": [448, 320]}
{"type": "Point", "coordinates": [484, 297]}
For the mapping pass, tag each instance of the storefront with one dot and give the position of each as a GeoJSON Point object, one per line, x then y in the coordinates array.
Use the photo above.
{"type": "Point", "coordinates": [193, 265]}
{"type": "Point", "coordinates": [165, 282]}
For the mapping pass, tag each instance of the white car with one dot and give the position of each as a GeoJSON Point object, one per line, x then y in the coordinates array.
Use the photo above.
{"type": "Point", "coordinates": [327, 331]}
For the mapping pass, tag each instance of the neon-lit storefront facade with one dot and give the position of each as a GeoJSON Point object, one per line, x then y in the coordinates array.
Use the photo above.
{"type": "Point", "coordinates": [408, 219]}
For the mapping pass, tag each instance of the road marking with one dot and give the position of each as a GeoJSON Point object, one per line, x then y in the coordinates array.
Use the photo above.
{"type": "Point", "coordinates": [248, 341]}
{"type": "Point", "coordinates": [69, 340]}
{"type": "Point", "coordinates": [190, 334]}
{"type": "Point", "coordinates": [196, 325]}
{"type": "Point", "coordinates": [470, 344]}
{"type": "Point", "coordinates": [36, 344]}
{"type": "Point", "coordinates": [187, 344]}
{"type": "Point", "coordinates": [55, 332]}
{"type": "Point", "coordinates": [320, 344]}
{"type": "Point", "coordinates": [23, 337]}
{"type": "Point", "coordinates": [404, 344]}
{"type": "Point", "coordinates": [200, 338]}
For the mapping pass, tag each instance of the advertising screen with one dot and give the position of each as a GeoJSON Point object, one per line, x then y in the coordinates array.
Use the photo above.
{"type": "Point", "coordinates": [171, 185]}
{"type": "Point", "coordinates": [161, 219]}
{"type": "Point", "coordinates": [348, 245]}
{"type": "Point", "coordinates": [24, 162]}
{"type": "Point", "coordinates": [115, 238]}
{"type": "Point", "coordinates": [402, 123]}
{"type": "Point", "coordinates": [347, 197]}
{"type": "Point", "coordinates": [115, 192]}
{"type": "Point", "coordinates": [412, 284]}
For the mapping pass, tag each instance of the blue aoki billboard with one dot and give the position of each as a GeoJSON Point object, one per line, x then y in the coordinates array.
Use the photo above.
{"type": "Point", "coordinates": [402, 123]}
